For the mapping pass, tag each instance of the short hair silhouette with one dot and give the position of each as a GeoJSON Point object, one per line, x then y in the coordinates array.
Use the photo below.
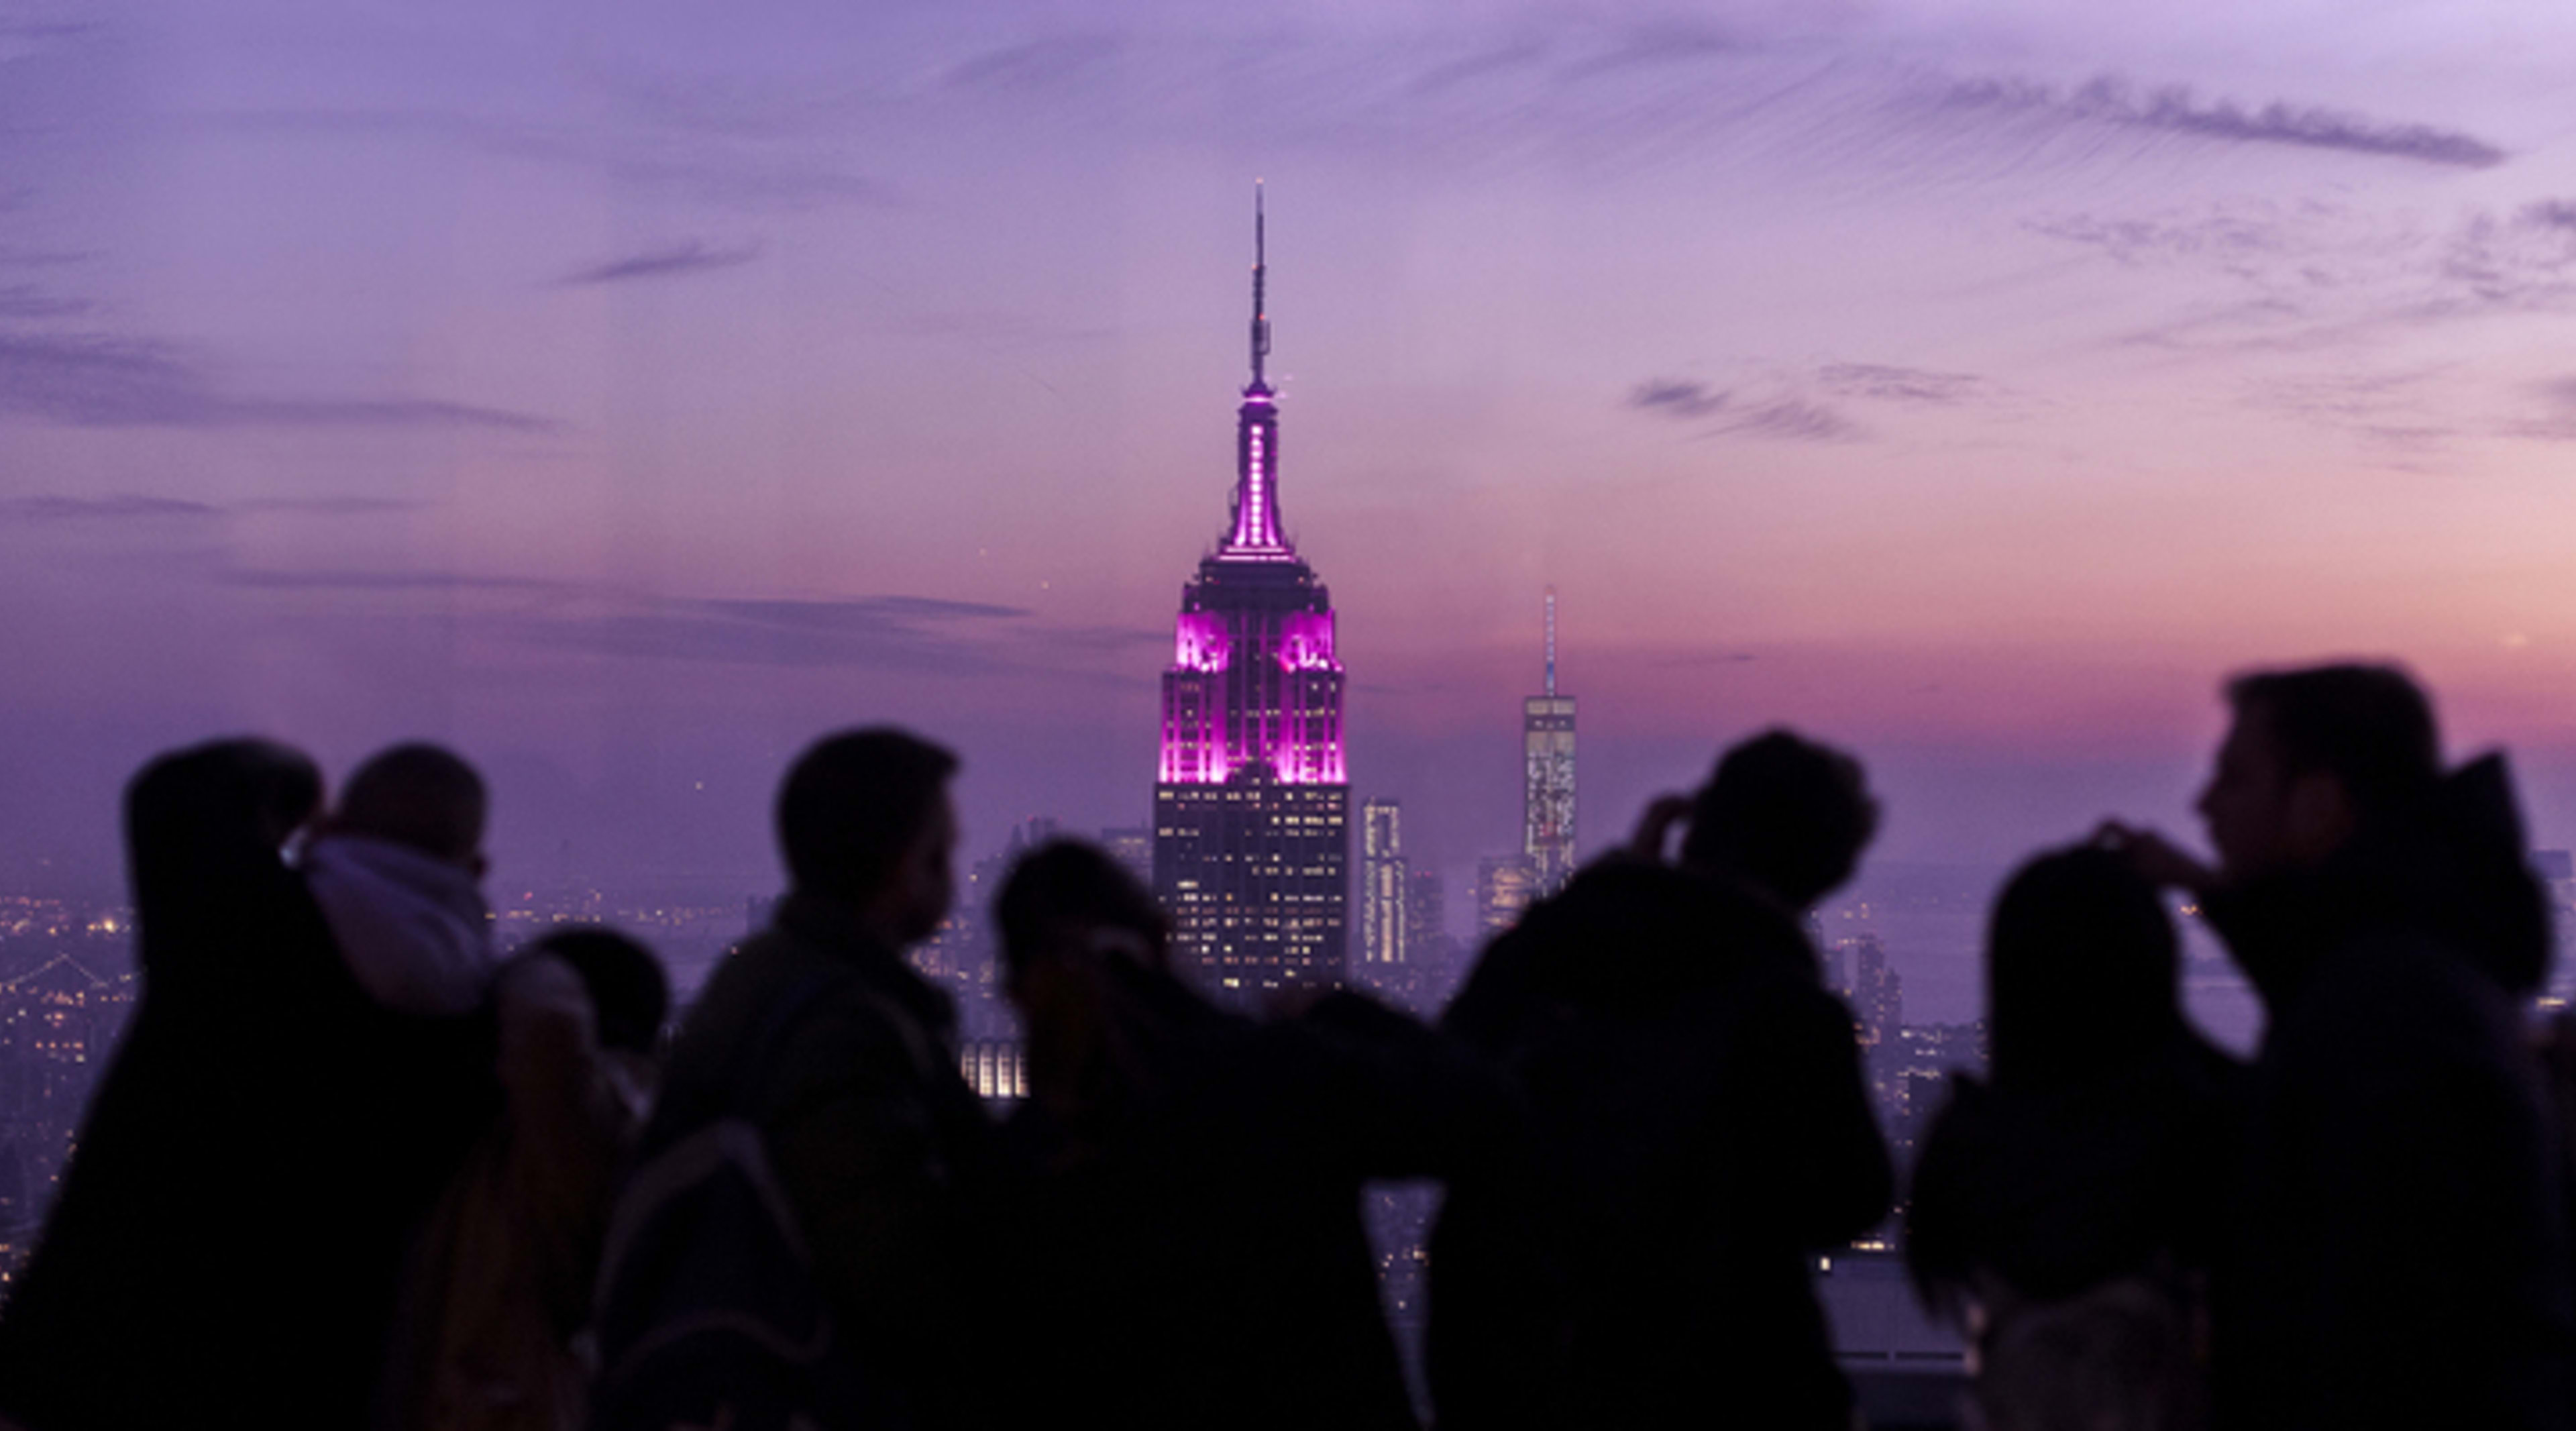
{"type": "Point", "coordinates": [853, 803]}
{"type": "Point", "coordinates": [630, 996]}
{"type": "Point", "coordinates": [2081, 968]}
{"type": "Point", "coordinates": [2369, 726]}
{"type": "Point", "coordinates": [419, 795]}
{"type": "Point", "coordinates": [1786, 813]}
{"type": "Point", "coordinates": [1065, 881]}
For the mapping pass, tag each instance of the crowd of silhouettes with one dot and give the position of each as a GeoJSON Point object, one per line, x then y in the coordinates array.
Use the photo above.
{"type": "Point", "coordinates": [353, 1166]}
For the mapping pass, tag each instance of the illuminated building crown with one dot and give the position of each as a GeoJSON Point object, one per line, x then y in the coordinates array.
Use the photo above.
{"type": "Point", "coordinates": [1254, 689]}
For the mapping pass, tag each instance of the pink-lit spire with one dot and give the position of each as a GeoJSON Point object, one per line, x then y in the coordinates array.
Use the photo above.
{"type": "Point", "coordinates": [1254, 691]}
{"type": "Point", "coordinates": [1260, 272]}
{"type": "Point", "coordinates": [1257, 534]}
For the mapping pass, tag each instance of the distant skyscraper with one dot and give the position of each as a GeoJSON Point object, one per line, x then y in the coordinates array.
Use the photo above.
{"type": "Point", "coordinates": [1132, 846]}
{"type": "Point", "coordinates": [1878, 1008]}
{"type": "Point", "coordinates": [1878, 999]}
{"type": "Point", "coordinates": [1383, 893]}
{"type": "Point", "coordinates": [1547, 775]}
{"type": "Point", "coordinates": [1426, 914]}
{"type": "Point", "coordinates": [1251, 806]}
{"type": "Point", "coordinates": [1505, 885]}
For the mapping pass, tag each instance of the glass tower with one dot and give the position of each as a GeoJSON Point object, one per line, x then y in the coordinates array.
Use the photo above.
{"type": "Point", "coordinates": [1547, 776]}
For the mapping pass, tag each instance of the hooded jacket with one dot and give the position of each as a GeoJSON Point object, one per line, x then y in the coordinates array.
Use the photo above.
{"type": "Point", "coordinates": [1700, 1128]}
{"type": "Point", "coordinates": [2398, 1257]}
{"type": "Point", "coordinates": [413, 927]}
{"type": "Point", "coordinates": [229, 1233]}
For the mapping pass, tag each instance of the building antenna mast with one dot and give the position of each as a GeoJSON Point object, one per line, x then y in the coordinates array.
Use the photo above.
{"type": "Point", "coordinates": [1260, 276]}
{"type": "Point", "coordinates": [1551, 643]}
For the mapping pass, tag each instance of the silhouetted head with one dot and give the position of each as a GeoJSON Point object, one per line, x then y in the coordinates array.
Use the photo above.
{"type": "Point", "coordinates": [1064, 896]}
{"type": "Point", "coordinates": [629, 994]}
{"type": "Point", "coordinates": [1784, 814]}
{"type": "Point", "coordinates": [2313, 757]}
{"type": "Point", "coordinates": [421, 796]}
{"type": "Point", "coordinates": [2081, 969]}
{"type": "Point", "coordinates": [199, 821]}
{"type": "Point", "coordinates": [864, 820]}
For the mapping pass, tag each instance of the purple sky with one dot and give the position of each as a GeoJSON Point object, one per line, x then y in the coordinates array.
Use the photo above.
{"type": "Point", "coordinates": [629, 392]}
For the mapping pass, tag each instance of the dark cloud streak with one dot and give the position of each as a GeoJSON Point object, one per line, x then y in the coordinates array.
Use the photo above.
{"type": "Point", "coordinates": [122, 507]}
{"type": "Point", "coordinates": [354, 581]}
{"type": "Point", "coordinates": [1795, 420]}
{"type": "Point", "coordinates": [862, 612]}
{"type": "Point", "coordinates": [673, 262]}
{"type": "Point", "coordinates": [1678, 398]}
{"type": "Point", "coordinates": [1888, 383]}
{"type": "Point", "coordinates": [1038, 63]}
{"type": "Point", "coordinates": [97, 380]}
{"type": "Point", "coordinates": [2175, 110]}
{"type": "Point", "coordinates": [2557, 420]}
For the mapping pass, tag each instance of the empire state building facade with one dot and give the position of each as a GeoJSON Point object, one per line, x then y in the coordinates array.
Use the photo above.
{"type": "Point", "coordinates": [1252, 805]}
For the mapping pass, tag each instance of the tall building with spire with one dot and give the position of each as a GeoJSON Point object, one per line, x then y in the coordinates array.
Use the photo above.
{"type": "Point", "coordinates": [1252, 803]}
{"type": "Point", "coordinates": [1547, 775]}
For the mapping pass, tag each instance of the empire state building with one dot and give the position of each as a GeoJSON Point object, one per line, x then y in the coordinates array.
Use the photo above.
{"type": "Point", "coordinates": [1252, 805]}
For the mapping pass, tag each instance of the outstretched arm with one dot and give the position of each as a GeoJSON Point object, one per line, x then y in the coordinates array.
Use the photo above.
{"type": "Point", "coordinates": [2157, 860]}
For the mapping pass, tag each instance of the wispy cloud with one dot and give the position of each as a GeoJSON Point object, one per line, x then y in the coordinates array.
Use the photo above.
{"type": "Point", "coordinates": [2345, 396]}
{"type": "Point", "coordinates": [916, 634]}
{"type": "Point", "coordinates": [1677, 397]}
{"type": "Point", "coordinates": [1888, 383]}
{"type": "Point", "coordinates": [332, 506]}
{"type": "Point", "coordinates": [361, 581]}
{"type": "Point", "coordinates": [126, 506]}
{"type": "Point", "coordinates": [2237, 241]}
{"type": "Point", "coordinates": [1794, 420]}
{"type": "Point", "coordinates": [1701, 658]}
{"type": "Point", "coordinates": [26, 300]}
{"type": "Point", "coordinates": [1486, 60]}
{"type": "Point", "coordinates": [870, 611]}
{"type": "Point", "coordinates": [2176, 110]}
{"type": "Point", "coordinates": [1789, 402]}
{"type": "Point", "coordinates": [2555, 420]}
{"type": "Point", "coordinates": [912, 634]}
{"type": "Point", "coordinates": [2549, 214]}
{"type": "Point", "coordinates": [96, 380]}
{"type": "Point", "coordinates": [710, 640]}
{"type": "Point", "coordinates": [1661, 43]}
{"type": "Point", "coordinates": [25, 39]}
{"type": "Point", "coordinates": [123, 507]}
{"type": "Point", "coordinates": [700, 164]}
{"type": "Point", "coordinates": [2317, 275]}
{"type": "Point", "coordinates": [672, 262]}
{"type": "Point", "coordinates": [1049, 61]}
{"type": "Point", "coordinates": [2400, 412]}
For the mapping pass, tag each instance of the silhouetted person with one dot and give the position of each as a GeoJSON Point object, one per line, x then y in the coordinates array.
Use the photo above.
{"type": "Point", "coordinates": [2067, 1212]}
{"type": "Point", "coordinates": [2398, 1257]}
{"type": "Point", "coordinates": [876, 1139]}
{"type": "Point", "coordinates": [1186, 1248]}
{"type": "Point", "coordinates": [230, 1233]}
{"type": "Point", "coordinates": [1701, 1126]}
{"type": "Point", "coordinates": [501, 1282]}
